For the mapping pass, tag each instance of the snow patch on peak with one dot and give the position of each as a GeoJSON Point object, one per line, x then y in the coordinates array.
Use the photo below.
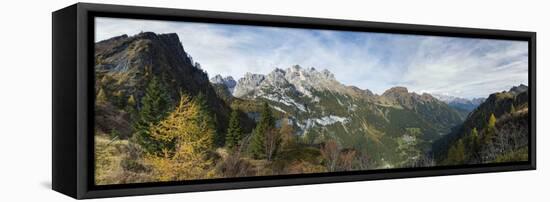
{"type": "Point", "coordinates": [278, 109]}
{"type": "Point", "coordinates": [284, 100]}
{"type": "Point", "coordinates": [322, 121]}
{"type": "Point", "coordinates": [329, 120]}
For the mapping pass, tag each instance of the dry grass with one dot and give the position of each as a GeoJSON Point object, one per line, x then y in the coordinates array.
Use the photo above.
{"type": "Point", "coordinates": [112, 159]}
{"type": "Point", "coordinates": [108, 156]}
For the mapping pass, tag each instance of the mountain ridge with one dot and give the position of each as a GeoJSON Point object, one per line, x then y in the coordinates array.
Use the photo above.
{"type": "Point", "coordinates": [321, 107]}
{"type": "Point", "coordinates": [126, 64]}
{"type": "Point", "coordinates": [506, 106]}
{"type": "Point", "coordinates": [158, 112]}
{"type": "Point", "coordinates": [317, 105]}
{"type": "Point", "coordinates": [463, 105]}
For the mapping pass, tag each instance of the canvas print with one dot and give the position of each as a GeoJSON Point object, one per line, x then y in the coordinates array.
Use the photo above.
{"type": "Point", "coordinates": [181, 101]}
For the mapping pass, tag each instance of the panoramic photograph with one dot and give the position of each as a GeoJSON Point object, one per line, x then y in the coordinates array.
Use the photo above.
{"type": "Point", "coordinates": [179, 101]}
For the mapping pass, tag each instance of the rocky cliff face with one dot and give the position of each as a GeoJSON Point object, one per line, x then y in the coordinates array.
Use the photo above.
{"type": "Point", "coordinates": [248, 84]}
{"type": "Point", "coordinates": [425, 105]}
{"type": "Point", "coordinates": [135, 60]}
{"type": "Point", "coordinates": [303, 80]}
{"type": "Point", "coordinates": [124, 66]}
{"type": "Point", "coordinates": [516, 90]}
{"type": "Point", "coordinates": [228, 82]}
{"type": "Point", "coordinates": [402, 96]}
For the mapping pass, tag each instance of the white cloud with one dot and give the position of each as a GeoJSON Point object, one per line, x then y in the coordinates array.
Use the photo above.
{"type": "Point", "coordinates": [467, 68]}
{"type": "Point", "coordinates": [459, 67]}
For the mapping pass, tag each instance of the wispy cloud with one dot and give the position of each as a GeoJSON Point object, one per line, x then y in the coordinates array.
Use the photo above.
{"type": "Point", "coordinates": [445, 65]}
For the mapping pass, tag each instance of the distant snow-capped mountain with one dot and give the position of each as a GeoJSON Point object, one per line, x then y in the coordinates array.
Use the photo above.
{"type": "Point", "coordinates": [453, 99]}
{"type": "Point", "coordinates": [460, 103]}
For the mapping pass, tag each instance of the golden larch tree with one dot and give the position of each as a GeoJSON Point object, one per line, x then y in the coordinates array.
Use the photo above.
{"type": "Point", "coordinates": [192, 139]}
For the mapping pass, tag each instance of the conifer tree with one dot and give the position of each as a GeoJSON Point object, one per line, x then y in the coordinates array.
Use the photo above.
{"type": "Point", "coordinates": [119, 99]}
{"type": "Point", "coordinates": [310, 137]}
{"type": "Point", "coordinates": [452, 155]}
{"type": "Point", "coordinates": [131, 101]}
{"type": "Point", "coordinates": [475, 139]}
{"type": "Point", "coordinates": [455, 154]}
{"type": "Point", "coordinates": [234, 131]}
{"type": "Point", "coordinates": [492, 121]}
{"type": "Point", "coordinates": [105, 80]}
{"type": "Point", "coordinates": [265, 125]}
{"type": "Point", "coordinates": [460, 158]}
{"type": "Point", "coordinates": [101, 97]}
{"type": "Point", "coordinates": [191, 135]}
{"type": "Point", "coordinates": [205, 111]}
{"type": "Point", "coordinates": [272, 143]}
{"type": "Point", "coordinates": [490, 131]}
{"type": "Point", "coordinates": [131, 107]}
{"type": "Point", "coordinates": [474, 145]}
{"type": "Point", "coordinates": [287, 134]}
{"type": "Point", "coordinates": [154, 107]}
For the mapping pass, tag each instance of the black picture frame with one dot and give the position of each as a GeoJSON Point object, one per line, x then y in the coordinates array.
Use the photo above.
{"type": "Point", "coordinates": [73, 98]}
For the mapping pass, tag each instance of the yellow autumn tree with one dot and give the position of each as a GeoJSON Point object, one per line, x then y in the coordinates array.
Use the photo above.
{"type": "Point", "coordinates": [287, 134]}
{"type": "Point", "coordinates": [131, 101]}
{"type": "Point", "coordinates": [191, 137]}
{"type": "Point", "coordinates": [101, 97]}
{"type": "Point", "coordinates": [490, 130]}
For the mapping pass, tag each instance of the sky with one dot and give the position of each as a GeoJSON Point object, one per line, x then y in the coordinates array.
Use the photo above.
{"type": "Point", "coordinates": [462, 67]}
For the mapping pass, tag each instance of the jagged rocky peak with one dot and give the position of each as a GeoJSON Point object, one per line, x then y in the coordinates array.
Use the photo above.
{"type": "Point", "coordinates": [516, 94]}
{"type": "Point", "coordinates": [277, 77]}
{"type": "Point", "coordinates": [250, 78]}
{"type": "Point", "coordinates": [302, 79]}
{"type": "Point", "coordinates": [427, 97]}
{"type": "Point", "coordinates": [140, 52]}
{"type": "Point", "coordinates": [218, 79]}
{"type": "Point", "coordinates": [136, 58]}
{"type": "Point", "coordinates": [402, 96]}
{"type": "Point", "coordinates": [519, 89]}
{"type": "Point", "coordinates": [478, 101]}
{"type": "Point", "coordinates": [297, 72]}
{"type": "Point", "coordinates": [307, 79]}
{"type": "Point", "coordinates": [446, 98]}
{"type": "Point", "coordinates": [128, 63]}
{"type": "Point", "coordinates": [228, 82]}
{"type": "Point", "coordinates": [247, 84]}
{"type": "Point", "coordinates": [400, 92]}
{"type": "Point", "coordinates": [396, 91]}
{"type": "Point", "coordinates": [112, 39]}
{"type": "Point", "coordinates": [167, 37]}
{"type": "Point", "coordinates": [327, 74]}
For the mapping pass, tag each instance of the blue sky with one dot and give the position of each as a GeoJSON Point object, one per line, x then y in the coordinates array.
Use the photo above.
{"type": "Point", "coordinates": [461, 67]}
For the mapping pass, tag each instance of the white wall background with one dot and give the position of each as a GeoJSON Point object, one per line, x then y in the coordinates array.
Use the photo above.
{"type": "Point", "coordinates": [25, 100]}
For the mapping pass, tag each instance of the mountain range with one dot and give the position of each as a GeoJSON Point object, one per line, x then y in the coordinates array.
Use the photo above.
{"type": "Point", "coordinates": [463, 105]}
{"type": "Point", "coordinates": [320, 107]}
{"type": "Point", "coordinates": [395, 128]}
